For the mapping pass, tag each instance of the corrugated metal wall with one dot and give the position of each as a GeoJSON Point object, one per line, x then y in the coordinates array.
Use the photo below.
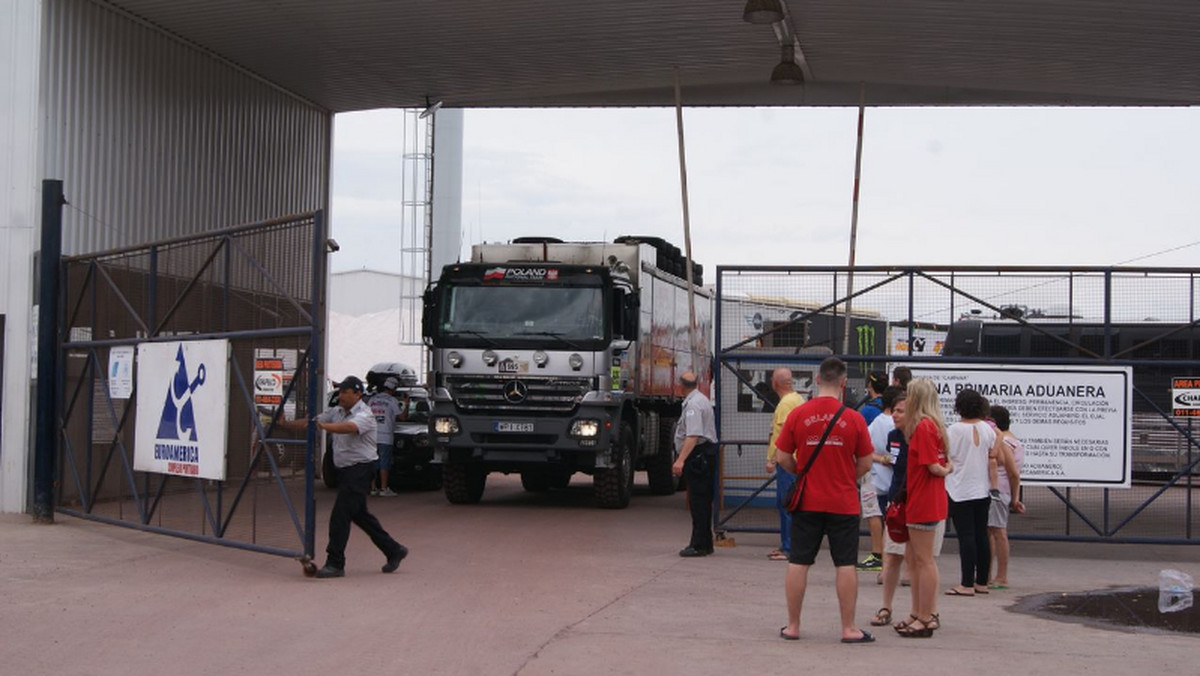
{"type": "Point", "coordinates": [154, 138]}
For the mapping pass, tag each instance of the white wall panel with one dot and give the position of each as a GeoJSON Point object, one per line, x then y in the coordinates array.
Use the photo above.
{"type": "Point", "coordinates": [20, 203]}
{"type": "Point", "coordinates": [154, 138]}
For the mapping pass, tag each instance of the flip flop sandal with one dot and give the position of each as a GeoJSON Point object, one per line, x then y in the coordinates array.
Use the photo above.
{"type": "Point", "coordinates": [882, 618]}
{"type": "Point", "coordinates": [865, 638]}
{"type": "Point", "coordinates": [955, 591]}
{"type": "Point", "coordinates": [998, 587]}
{"type": "Point", "coordinates": [787, 637]}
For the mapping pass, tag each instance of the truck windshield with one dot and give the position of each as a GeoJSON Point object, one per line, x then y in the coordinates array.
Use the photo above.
{"type": "Point", "coordinates": [564, 315]}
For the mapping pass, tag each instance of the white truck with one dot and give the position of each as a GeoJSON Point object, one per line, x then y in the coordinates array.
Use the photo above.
{"type": "Point", "coordinates": [551, 358]}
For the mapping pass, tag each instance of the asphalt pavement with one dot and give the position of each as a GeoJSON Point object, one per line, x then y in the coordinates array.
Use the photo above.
{"type": "Point", "coordinates": [526, 584]}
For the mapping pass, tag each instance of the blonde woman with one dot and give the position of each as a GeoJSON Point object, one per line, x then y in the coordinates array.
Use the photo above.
{"type": "Point", "coordinates": [925, 504]}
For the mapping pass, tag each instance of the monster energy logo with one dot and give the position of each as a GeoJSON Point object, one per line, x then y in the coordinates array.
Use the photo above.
{"type": "Point", "coordinates": [866, 338]}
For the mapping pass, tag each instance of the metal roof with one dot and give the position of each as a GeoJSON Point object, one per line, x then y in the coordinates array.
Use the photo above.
{"type": "Point", "coordinates": [362, 54]}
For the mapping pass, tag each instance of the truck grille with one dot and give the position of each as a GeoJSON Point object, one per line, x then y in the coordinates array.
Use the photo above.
{"type": "Point", "coordinates": [487, 393]}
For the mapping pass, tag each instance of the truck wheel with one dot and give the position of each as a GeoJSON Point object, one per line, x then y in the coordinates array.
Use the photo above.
{"type": "Point", "coordinates": [463, 483]}
{"type": "Point", "coordinates": [658, 471]}
{"type": "Point", "coordinates": [535, 480]}
{"type": "Point", "coordinates": [560, 479]}
{"type": "Point", "coordinates": [614, 485]}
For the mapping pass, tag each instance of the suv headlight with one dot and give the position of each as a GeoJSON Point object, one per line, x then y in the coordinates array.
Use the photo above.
{"type": "Point", "coordinates": [585, 428]}
{"type": "Point", "coordinates": [445, 425]}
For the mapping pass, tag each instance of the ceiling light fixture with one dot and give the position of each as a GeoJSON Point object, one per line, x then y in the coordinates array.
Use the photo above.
{"type": "Point", "coordinates": [763, 11]}
{"type": "Point", "coordinates": [788, 72]}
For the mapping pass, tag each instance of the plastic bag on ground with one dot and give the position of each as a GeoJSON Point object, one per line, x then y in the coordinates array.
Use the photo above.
{"type": "Point", "coordinates": [1174, 591]}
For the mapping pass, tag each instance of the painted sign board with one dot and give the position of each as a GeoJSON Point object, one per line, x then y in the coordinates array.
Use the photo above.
{"type": "Point", "coordinates": [182, 408]}
{"type": "Point", "coordinates": [1073, 421]}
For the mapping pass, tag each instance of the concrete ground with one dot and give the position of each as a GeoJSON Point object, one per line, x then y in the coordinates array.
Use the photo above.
{"type": "Point", "coordinates": [525, 584]}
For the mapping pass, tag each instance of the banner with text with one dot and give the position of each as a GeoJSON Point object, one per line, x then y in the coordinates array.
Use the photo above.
{"type": "Point", "coordinates": [1074, 421]}
{"type": "Point", "coordinates": [183, 408]}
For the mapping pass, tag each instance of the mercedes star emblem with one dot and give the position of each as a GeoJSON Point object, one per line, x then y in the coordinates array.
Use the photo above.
{"type": "Point", "coordinates": [515, 392]}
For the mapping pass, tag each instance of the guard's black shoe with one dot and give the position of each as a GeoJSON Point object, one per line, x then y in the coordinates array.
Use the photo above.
{"type": "Point", "coordinates": [690, 552]}
{"type": "Point", "coordinates": [330, 571]}
{"type": "Point", "coordinates": [394, 560]}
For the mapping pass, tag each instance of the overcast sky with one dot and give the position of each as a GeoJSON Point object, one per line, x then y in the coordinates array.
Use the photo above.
{"type": "Point", "coordinates": [1005, 186]}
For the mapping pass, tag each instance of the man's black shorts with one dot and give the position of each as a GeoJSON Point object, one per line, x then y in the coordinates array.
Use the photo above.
{"type": "Point", "coordinates": [809, 527]}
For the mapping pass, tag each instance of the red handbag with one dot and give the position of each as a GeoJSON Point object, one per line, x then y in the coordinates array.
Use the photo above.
{"type": "Point", "coordinates": [895, 519]}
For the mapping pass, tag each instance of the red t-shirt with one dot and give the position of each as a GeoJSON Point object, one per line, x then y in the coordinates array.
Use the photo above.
{"type": "Point", "coordinates": [926, 492]}
{"type": "Point", "coordinates": [832, 483]}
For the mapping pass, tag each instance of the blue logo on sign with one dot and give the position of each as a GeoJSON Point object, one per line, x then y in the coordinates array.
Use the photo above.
{"type": "Point", "coordinates": [178, 418]}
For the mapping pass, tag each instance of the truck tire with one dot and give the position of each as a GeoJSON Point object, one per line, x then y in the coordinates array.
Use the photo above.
{"type": "Point", "coordinates": [463, 483]}
{"type": "Point", "coordinates": [535, 480]}
{"type": "Point", "coordinates": [614, 485]}
{"type": "Point", "coordinates": [666, 445]}
{"type": "Point", "coordinates": [560, 479]}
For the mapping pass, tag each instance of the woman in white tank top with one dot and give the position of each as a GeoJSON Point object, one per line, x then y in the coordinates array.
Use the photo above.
{"type": "Point", "coordinates": [968, 486]}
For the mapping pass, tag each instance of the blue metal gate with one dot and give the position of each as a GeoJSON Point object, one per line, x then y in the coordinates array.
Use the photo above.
{"type": "Point", "coordinates": [261, 287]}
{"type": "Point", "coordinates": [1144, 318]}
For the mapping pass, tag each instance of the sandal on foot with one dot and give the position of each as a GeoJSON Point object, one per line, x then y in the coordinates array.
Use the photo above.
{"type": "Point", "coordinates": [934, 622]}
{"type": "Point", "coordinates": [865, 638]}
{"type": "Point", "coordinates": [981, 591]}
{"type": "Point", "coordinates": [903, 624]}
{"type": "Point", "coordinates": [778, 555]}
{"type": "Point", "coordinates": [997, 586]}
{"type": "Point", "coordinates": [955, 591]}
{"type": "Point", "coordinates": [785, 636]}
{"type": "Point", "coordinates": [911, 631]}
{"type": "Point", "coordinates": [882, 618]}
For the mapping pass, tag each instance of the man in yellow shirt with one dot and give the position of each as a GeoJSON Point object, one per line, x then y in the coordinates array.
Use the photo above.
{"type": "Point", "coordinates": [781, 382]}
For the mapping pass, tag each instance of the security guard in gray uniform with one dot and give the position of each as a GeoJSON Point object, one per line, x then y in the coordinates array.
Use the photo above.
{"type": "Point", "coordinates": [354, 453]}
{"type": "Point", "coordinates": [696, 443]}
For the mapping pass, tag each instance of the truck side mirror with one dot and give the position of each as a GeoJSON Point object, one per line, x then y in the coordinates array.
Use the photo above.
{"type": "Point", "coordinates": [428, 313]}
{"type": "Point", "coordinates": [632, 312]}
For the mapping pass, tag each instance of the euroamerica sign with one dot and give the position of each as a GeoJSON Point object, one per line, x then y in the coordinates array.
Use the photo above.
{"type": "Point", "coordinates": [182, 408]}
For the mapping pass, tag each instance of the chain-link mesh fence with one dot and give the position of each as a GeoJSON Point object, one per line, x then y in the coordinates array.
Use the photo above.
{"type": "Point", "coordinates": [1145, 319]}
{"type": "Point", "coordinates": [251, 285]}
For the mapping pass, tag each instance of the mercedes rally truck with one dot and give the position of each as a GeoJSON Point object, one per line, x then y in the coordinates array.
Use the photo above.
{"type": "Point", "coordinates": [551, 358]}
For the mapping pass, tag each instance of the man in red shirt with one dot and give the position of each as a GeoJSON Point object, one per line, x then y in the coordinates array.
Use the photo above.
{"type": "Point", "coordinates": [829, 504]}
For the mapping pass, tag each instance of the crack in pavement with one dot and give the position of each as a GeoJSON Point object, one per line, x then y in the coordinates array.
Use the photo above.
{"type": "Point", "coordinates": [562, 632]}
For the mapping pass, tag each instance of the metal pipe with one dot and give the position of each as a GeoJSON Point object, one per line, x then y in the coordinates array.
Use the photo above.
{"type": "Point", "coordinates": [47, 362]}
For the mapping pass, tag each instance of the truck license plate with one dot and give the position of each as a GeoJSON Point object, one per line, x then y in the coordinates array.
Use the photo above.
{"type": "Point", "coordinates": [513, 366]}
{"type": "Point", "coordinates": [512, 426]}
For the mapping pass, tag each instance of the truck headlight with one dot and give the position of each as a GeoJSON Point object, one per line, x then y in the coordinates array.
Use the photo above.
{"type": "Point", "coordinates": [585, 428]}
{"type": "Point", "coordinates": [540, 358]}
{"type": "Point", "coordinates": [575, 361]}
{"type": "Point", "coordinates": [445, 425]}
{"type": "Point", "coordinates": [490, 358]}
{"type": "Point", "coordinates": [455, 359]}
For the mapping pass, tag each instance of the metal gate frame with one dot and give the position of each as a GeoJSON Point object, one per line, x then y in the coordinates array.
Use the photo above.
{"type": "Point", "coordinates": [727, 360]}
{"type": "Point", "coordinates": [219, 503]}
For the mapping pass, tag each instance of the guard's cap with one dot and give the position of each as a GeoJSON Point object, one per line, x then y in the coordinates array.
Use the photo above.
{"type": "Point", "coordinates": [350, 383]}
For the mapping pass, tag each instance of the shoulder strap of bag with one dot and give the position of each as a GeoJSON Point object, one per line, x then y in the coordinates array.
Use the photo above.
{"type": "Point", "coordinates": [820, 444]}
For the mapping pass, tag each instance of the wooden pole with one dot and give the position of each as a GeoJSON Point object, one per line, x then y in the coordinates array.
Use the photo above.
{"type": "Point", "coordinates": [687, 226]}
{"type": "Point", "coordinates": [862, 89]}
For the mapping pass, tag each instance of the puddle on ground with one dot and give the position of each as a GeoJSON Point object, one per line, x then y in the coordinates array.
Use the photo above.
{"type": "Point", "coordinates": [1122, 608]}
